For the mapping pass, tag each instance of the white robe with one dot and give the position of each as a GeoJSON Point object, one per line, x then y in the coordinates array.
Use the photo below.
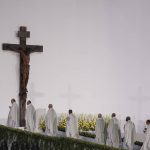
{"type": "Point", "coordinates": [99, 130]}
{"type": "Point", "coordinates": [51, 122]}
{"type": "Point", "coordinates": [9, 119]}
{"type": "Point", "coordinates": [129, 135]}
{"type": "Point", "coordinates": [146, 144]}
{"type": "Point", "coordinates": [30, 117]}
{"type": "Point", "coordinates": [72, 126]}
{"type": "Point", "coordinates": [113, 133]}
{"type": "Point", "coordinates": [13, 116]}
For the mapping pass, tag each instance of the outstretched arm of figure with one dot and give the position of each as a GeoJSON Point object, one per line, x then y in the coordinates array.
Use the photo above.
{"type": "Point", "coordinates": [16, 48]}
{"type": "Point", "coordinates": [11, 47]}
{"type": "Point", "coordinates": [34, 48]}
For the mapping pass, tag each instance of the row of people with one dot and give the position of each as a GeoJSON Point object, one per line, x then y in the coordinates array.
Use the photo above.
{"type": "Point", "coordinates": [113, 137]}
{"type": "Point", "coordinates": [50, 119]}
{"type": "Point", "coordinates": [110, 136]}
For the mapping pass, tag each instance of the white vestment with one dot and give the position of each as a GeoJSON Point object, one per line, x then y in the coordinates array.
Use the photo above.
{"type": "Point", "coordinates": [129, 135]}
{"type": "Point", "coordinates": [146, 144]}
{"type": "Point", "coordinates": [113, 133]}
{"type": "Point", "coordinates": [99, 130]}
{"type": "Point", "coordinates": [13, 116]}
{"type": "Point", "coordinates": [30, 117]}
{"type": "Point", "coordinates": [51, 122]}
{"type": "Point", "coordinates": [72, 126]}
{"type": "Point", "coordinates": [9, 119]}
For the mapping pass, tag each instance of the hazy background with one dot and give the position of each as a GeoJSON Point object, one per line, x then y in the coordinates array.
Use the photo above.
{"type": "Point", "coordinates": [96, 55]}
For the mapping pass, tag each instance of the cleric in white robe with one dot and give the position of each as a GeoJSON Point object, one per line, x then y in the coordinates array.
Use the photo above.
{"type": "Point", "coordinates": [51, 121]}
{"type": "Point", "coordinates": [9, 118]}
{"type": "Point", "coordinates": [113, 132]}
{"type": "Point", "coordinates": [72, 125]}
{"type": "Point", "coordinates": [13, 116]}
{"type": "Point", "coordinates": [146, 144]}
{"type": "Point", "coordinates": [30, 116]}
{"type": "Point", "coordinates": [129, 134]}
{"type": "Point", "coordinates": [99, 129]}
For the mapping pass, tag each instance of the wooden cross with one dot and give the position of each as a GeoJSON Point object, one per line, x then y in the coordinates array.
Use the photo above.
{"type": "Point", "coordinates": [24, 51]}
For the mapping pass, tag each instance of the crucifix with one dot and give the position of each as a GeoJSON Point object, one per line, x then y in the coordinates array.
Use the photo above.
{"type": "Point", "coordinates": [24, 51]}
